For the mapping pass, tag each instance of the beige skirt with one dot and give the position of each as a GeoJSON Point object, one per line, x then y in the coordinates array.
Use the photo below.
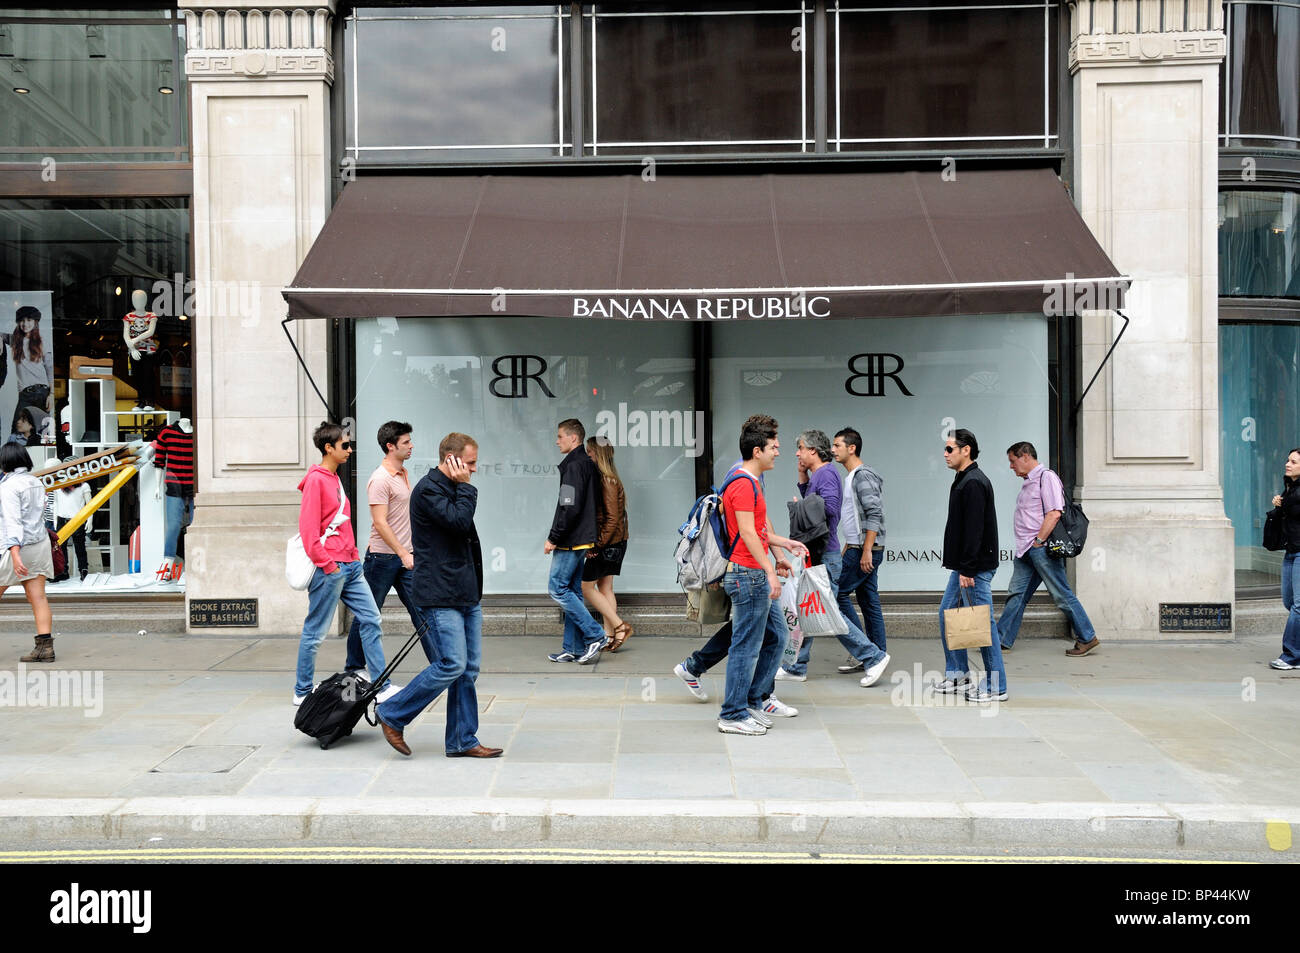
{"type": "Point", "coordinates": [36, 557]}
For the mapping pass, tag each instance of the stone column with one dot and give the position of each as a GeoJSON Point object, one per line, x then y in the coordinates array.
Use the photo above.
{"type": "Point", "coordinates": [1146, 102]}
{"type": "Point", "coordinates": [259, 97]}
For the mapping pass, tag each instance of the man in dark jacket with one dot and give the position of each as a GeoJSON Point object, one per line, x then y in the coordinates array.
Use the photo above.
{"type": "Point", "coordinates": [447, 586]}
{"type": "Point", "coordinates": [970, 550]}
{"type": "Point", "coordinates": [573, 532]}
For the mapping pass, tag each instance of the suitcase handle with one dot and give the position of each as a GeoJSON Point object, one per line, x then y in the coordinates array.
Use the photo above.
{"type": "Point", "coordinates": [368, 696]}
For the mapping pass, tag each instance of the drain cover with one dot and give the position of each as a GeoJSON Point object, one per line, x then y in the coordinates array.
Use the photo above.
{"type": "Point", "coordinates": [205, 759]}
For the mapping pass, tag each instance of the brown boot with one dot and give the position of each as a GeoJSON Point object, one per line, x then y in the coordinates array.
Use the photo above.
{"type": "Point", "coordinates": [43, 652]}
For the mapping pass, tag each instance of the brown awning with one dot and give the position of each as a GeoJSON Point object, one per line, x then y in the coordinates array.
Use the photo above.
{"type": "Point", "coordinates": [705, 247]}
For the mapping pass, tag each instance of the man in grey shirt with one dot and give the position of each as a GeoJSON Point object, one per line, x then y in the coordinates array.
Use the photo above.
{"type": "Point", "coordinates": [862, 523]}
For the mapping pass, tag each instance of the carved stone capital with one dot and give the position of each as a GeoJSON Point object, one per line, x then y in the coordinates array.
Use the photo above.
{"type": "Point", "coordinates": [239, 41]}
{"type": "Point", "coordinates": [1130, 49]}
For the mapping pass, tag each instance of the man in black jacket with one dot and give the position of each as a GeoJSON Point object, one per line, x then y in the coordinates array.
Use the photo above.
{"type": "Point", "coordinates": [447, 586]}
{"type": "Point", "coordinates": [573, 532]}
{"type": "Point", "coordinates": [970, 550]}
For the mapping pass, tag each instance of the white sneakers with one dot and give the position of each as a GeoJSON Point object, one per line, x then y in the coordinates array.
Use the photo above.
{"type": "Point", "coordinates": [692, 683]}
{"type": "Point", "coordinates": [873, 674]}
{"type": "Point", "coordinates": [950, 687]}
{"type": "Point", "coordinates": [746, 727]}
{"type": "Point", "coordinates": [783, 676]}
{"type": "Point", "coordinates": [298, 699]}
{"type": "Point", "coordinates": [774, 706]}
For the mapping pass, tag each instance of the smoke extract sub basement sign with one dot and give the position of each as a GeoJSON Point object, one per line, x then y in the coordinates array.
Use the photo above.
{"type": "Point", "coordinates": [213, 613]}
{"type": "Point", "coordinates": [1195, 617]}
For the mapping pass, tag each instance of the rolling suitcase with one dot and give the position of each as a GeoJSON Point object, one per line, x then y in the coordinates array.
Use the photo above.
{"type": "Point", "coordinates": [335, 706]}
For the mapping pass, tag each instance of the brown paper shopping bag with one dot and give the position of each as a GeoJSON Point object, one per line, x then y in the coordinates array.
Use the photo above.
{"type": "Point", "coordinates": [968, 626]}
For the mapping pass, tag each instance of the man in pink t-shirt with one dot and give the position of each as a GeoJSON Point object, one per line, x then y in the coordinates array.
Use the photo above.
{"type": "Point", "coordinates": [1038, 508]}
{"type": "Point", "coordinates": [389, 561]}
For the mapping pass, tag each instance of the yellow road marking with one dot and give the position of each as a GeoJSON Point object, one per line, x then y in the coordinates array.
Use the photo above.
{"type": "Point", "coordinates": [549, 853]}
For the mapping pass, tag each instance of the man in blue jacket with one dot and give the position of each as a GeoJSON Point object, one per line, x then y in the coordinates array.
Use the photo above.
{"type": "Point", "coordinates": [447, 586]}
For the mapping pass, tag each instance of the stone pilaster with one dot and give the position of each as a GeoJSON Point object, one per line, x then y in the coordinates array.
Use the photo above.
{"type": "Point", "coordinates": [1146, 96]}
{"type": "Point", "coordinates": [259, 84]}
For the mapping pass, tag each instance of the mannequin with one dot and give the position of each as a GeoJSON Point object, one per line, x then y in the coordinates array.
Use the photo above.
{"type": "Point", "coordinates": [174, 455]}
{"type": "Point", "coordinates": [138, 328]}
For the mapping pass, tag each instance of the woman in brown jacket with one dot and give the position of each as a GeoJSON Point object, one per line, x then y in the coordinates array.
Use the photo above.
{"type": "Point", "coordinates": [606, 559]}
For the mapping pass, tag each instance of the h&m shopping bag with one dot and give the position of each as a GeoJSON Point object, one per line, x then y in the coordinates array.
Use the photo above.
{"type": "Point", "coordinates": [818, 613]}
{"type": "Point", "coordinates": [968, 626]}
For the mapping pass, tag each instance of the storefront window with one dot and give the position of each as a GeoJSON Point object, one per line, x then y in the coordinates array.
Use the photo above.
{"type": "Point", "coordinates": [1262, 73]}
{"type": "Point", "coordinates": [78, 278]}
{"type": "Point", "coordinates": [699, 81]}
{"type": "Point", "coordinates": [429, 84]}
{"type": "Point", "coordinates": [85, 85]}
{"type": "Point", "coordinates": [507, 382]}
{"type": "Point", "coordinates": [1259, 244]}
{"type": "Point", "coordinates": [943, 78]}
{"type": "Point", "coordinates": [987, 374]}
{"type": "Point", "coordinates": [1259, 366]}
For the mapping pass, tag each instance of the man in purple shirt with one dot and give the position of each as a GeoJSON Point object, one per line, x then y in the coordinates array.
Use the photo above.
{"type": "Point", "coordinates": [819, 476]}
{"type": "Point", "coordinates": [1038, 508]}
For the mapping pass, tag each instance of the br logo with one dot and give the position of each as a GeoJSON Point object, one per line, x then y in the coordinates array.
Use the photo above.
{"type": "Point", "coordinates": [812, 605]}
{"type": "Point", "coordinates": [873, 370]}
{"type": "Point", "coordinates": [522, 368]}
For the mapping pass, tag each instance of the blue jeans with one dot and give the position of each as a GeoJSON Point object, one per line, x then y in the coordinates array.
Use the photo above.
{"type": "Point", "coordinates": [453, 640]}
{"type": "Point", "coordinates": [855, 640]}
{"type": "Point", "coordinates": [955, 662]}
{"type": "Point", "coordinates": [1291, 599]}
{"type": "Point", "coordinates": [323, 596]}
{"type": "Point", "coordinates": [383, 571]}
{"type": "Point", "coordinates": [1033, 567]}
{"type": "Point", "coordinates": [178, 513]}
{"type": "Point", "coordinates": [854, 582]}
{"type": "Point", "coordinates": [565, 587]}
{"type": "Point", "coordinates": [758, 634]}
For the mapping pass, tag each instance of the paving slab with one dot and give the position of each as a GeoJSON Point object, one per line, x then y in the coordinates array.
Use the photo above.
{"type": "Point", "coordinates": [1138, 745]}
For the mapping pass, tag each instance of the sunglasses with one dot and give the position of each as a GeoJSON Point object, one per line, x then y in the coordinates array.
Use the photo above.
{"type": "Point", "coordinates": [346, 445]}
{"type": "Point", "coordinates": [948, 450]}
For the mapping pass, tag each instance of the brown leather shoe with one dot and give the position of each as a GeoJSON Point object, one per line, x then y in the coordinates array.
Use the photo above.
{"type": "Point", "coordinates": [43, 652]}
{"type": "Point", "coordinates": [1083, 648]}
{"type": "Point", "coordinates": [478, 751]}
{"type": "Point", "coordinates": [394, 738]}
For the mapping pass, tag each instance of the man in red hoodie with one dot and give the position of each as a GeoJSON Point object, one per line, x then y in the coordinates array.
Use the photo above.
{"type": "Point", "coordinates": [325, 524]}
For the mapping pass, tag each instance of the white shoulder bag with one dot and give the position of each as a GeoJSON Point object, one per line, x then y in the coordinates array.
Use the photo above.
{"type": "Point", "coordinates": [298, 567]}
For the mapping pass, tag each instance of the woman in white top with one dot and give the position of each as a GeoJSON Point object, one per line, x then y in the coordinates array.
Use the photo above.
{"type": "Point", "coordinates": [33, 364]}
{"type": "Point", "coordinates": [26, 543]}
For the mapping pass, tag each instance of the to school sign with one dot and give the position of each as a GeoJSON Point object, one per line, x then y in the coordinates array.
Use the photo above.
{"type": "Point", "coordinates": [63, 475]}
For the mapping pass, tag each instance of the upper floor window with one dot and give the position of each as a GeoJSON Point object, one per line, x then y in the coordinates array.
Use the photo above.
{"type": "Point", "coordinates": [1261, 76]}
{"type": "Point", "coordinates": [92, 85]}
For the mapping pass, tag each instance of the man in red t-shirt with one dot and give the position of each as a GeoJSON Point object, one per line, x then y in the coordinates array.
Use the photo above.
{"type": "Point", "coordinates": [758, 629]}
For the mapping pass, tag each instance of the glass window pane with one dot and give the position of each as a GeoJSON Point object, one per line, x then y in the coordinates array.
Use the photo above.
{"type": "Point", "coordinates": [508, 382]}
{"type": "Point", "coordinates": [942, 75]}
{"type": "Point", "coordinates": [93, 91]}
{"type": "Point", "coordinates": [77, 262]}
{"type": "Point", "coordinates": [986, 373]}
{"type": "Point", "coordinates": [683, 82]}
{"type": "Point", "coordinates": [1258, 369]}
{"type": "Point", "coordinates": [433, 84]}
{"type": "Point", "coordinates": [1264, 97]}
{"type": "Point", "coordinates": [1259, 244]}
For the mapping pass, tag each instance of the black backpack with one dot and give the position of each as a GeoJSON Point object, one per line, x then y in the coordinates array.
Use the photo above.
{"type": "Point", "coordinates": [335, 706]}
{"type": "Point", "coordinates": [1070, 535]}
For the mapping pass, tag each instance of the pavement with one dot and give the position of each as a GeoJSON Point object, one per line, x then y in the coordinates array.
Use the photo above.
{"type": "Point", "coordinates": [1178, 749]}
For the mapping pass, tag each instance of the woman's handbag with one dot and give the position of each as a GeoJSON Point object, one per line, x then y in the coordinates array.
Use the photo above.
{"type": "Point", "coordinates": [968, 626]}
{"type": "Point", "coordinates": [298, 567]}
{"type": "Point", "coordinates": [1274, 531]}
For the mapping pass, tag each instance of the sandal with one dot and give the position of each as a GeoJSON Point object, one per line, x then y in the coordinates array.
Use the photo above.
{"type": "Point", "coordinates": [622, 632]}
